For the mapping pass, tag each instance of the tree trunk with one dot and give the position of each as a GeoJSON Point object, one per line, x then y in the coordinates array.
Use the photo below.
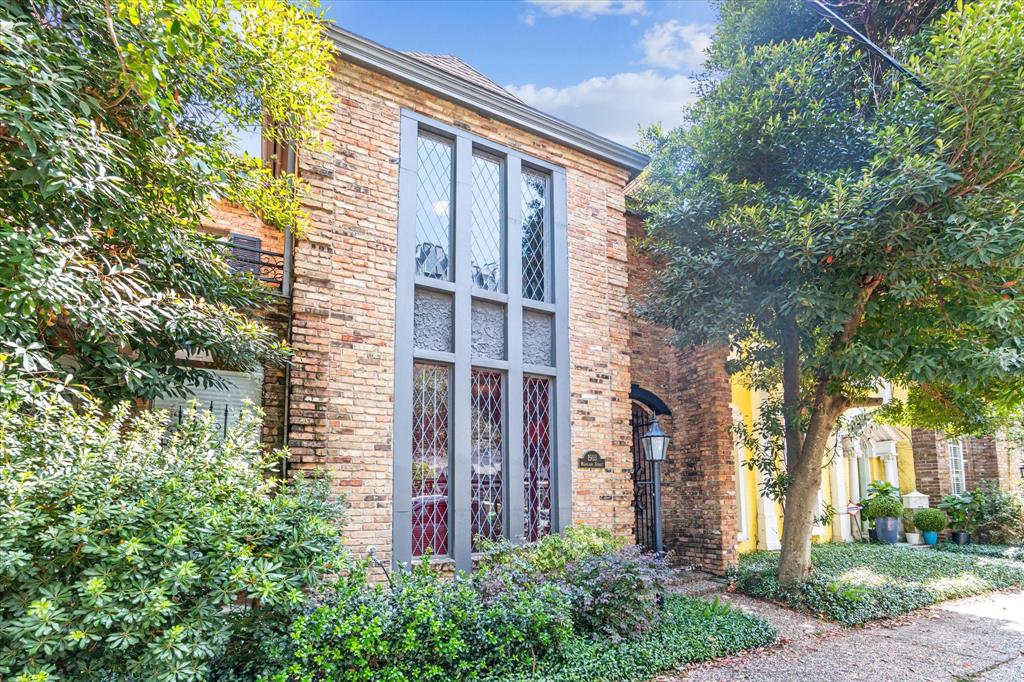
{"type": "Point", "coordinates": [802, 498]}
{"type": "Point", "coordinates": [802, 494]}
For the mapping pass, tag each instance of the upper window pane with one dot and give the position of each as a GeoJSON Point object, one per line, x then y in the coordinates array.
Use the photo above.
{"type": "Point", "coordinates": [487, 233]}
{"type": "Point", "coordinates": [534, 235]}
{"type": "Point", "coordinates": [435, 157]}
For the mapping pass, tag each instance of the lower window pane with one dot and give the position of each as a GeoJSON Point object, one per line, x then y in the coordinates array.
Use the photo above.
{"type": "Point", "coordinates": [430, 459]}
{"type": "Point", "coordinates": [488, 455]}
{"type": "Point", "coordinates": [536, 457]}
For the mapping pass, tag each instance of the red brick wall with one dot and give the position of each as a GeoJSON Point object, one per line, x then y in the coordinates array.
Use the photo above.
{"type": "Point", "coordinates": [931, 464]}
{"type": "Point", "coordinates": [987, 461]}
{"type": "Point", "coordinates": [344, 319]}
{"type": "Point", "coordinates": [699, 476]}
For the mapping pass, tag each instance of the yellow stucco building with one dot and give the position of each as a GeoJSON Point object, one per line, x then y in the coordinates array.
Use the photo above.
{"type": "Point", "coordinates": [876, 453]}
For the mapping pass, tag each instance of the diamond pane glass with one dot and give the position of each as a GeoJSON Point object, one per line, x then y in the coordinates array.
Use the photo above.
{"type": "Point", "coordinates": [433, 321]}
{"type": "Point", "coordinates": [433, 206]}
{"type": "Point", "coordinates": [430, 459]}
{"type": "Point", "coordinates": [537, 328]}
{"type": "Point", "coordinates": [487, 451]}
{"type": "Point", "coordinates": [534, 233]}
{"type": "Point", "coordinates": [486, 226]}
{"type": "Point", "coordinates": [536, 457]}
{"type": "Point", "coordinates": [488, 330]}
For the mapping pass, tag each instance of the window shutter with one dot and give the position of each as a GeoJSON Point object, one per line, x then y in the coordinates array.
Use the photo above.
{"type": "Point", "coordinates": [225, 403]}
{"type": "Point", "coordinates": [245, 254]}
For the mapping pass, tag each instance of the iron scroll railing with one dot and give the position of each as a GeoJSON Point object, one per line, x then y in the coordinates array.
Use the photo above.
{"type": "Point", "coordinates": [266, 266]}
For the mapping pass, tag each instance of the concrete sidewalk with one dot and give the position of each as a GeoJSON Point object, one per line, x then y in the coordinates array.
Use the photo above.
{"type": "Point", "coordinates": [980, 638]}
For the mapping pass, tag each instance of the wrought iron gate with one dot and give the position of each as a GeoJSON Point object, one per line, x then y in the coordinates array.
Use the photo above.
{"type": "Point", "coordinates": [643, 480]}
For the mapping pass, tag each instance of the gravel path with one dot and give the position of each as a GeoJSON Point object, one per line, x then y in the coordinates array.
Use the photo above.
{"type": "Point", "coordinates": [981, 638]}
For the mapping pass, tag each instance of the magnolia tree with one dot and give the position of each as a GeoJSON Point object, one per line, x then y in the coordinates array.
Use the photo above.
{"type": "Point", "coordinates": [115, 137]}
{"type": "Point", "coordinates": [833, 223]}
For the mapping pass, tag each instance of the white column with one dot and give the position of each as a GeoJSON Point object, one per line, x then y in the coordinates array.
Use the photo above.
{"type": "Point", "coordinates": [767, 520]}
{"type": "Point", "coordinates": [853, 457]}
{"type": "Point", "coordinates": [840, 498]}
{"type": "Point", "coordinates": [892, 470]}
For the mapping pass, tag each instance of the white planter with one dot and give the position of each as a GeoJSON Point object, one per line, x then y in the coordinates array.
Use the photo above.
{"type": "Point", "coordinates": [913, 538]}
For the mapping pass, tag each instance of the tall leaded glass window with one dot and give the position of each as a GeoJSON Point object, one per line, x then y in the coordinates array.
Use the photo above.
{"type": "Point", "coordinates": [487, 447]}
{"type": "Point", "coordinates": [434, 180]}
{"type": "Point", "coordinates": [481, 444]}
{"type": "Point", "coordinates": [430, 459]}
{"type": "Point", "coordinates": [535, 233]}
{"type": "Point", "coordinates": [488, 233]}
{"type": "Point", "coordinates": [536, 457]}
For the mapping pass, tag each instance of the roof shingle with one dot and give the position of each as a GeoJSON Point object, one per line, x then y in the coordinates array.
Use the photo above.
{"type": "Point", "coordinates": [451, 64]}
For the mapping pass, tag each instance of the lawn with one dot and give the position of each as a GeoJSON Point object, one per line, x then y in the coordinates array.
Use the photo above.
{"type": "Point", "coordinates": [693, 630]}
{"type": "Point", "coordinates": [855, 583]}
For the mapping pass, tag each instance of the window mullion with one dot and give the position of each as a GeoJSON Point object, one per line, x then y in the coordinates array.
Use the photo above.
{"type": "Point", "coordinates": [462, 474]}
{"type": "Point", "coordinates": [401, 489]}
{"type": "Point", "coordinates": [514, 273]}
{"type": "Point", "coordinates": [562, 460]}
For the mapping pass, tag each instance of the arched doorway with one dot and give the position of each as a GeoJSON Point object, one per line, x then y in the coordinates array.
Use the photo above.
{"type": "Point", "coordinates": [646, 407]}
{"type": "Point", "coordinates": [643, 479]}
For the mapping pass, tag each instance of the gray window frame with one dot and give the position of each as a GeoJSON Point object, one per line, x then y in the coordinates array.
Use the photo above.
{"type": "Point", "coordinates": [461, 360]}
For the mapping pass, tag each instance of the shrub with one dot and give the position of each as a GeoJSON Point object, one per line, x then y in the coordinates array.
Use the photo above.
{"type": "Point", "coordinates": [878, 490]}
{"type": "Point", "coordinates": [616, 595]}
{"type": "Point", "coordinates": [553, 553]}
{"type": "Point", "coordinates": [885, 506]}
{"type": "Point", "coordinates": [930, 520]}
{"type": "Point", "coordinates": [424, 626]}
{"type": "Point", "coordinates": [615, 589]}
{"type": "Point", "coordinates": [1000, 518]}
{"type": "Point", "coordinates": [962, 510]}
{"type": "Point", "coordinates": [125, 551]}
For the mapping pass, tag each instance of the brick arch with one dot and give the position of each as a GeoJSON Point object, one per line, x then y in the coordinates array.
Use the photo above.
{"type": "Point", "coordinates": [649, 400]}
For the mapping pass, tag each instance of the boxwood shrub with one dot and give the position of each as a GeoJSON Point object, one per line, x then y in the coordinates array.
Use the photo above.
{"type": "Point", "coordinates": [930, 520]}
{"type": "Point", "coordinates": [854, 583]}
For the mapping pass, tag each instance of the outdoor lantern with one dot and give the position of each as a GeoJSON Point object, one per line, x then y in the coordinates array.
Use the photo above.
{"type": "Point", "coordinates": [655, 442]}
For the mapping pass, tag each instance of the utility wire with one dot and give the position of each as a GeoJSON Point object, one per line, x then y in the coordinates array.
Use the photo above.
{"type": "Point", "coordinates": [844, 26]}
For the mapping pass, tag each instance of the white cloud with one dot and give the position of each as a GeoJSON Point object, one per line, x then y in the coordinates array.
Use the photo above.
{"type": "Point", "coordinates": [529, 18]}
{"type": "Point", "coordinates": [616, 105]}
{"type": "Point", "coordinates": [677, 46]}
{"type": "Point", "coordinates": [588, 9]}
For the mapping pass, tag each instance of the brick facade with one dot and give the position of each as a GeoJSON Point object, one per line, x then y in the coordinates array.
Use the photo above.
{"type": "Point", "coordinates": [339, 387]}
{"type": "Point", "coordinates": [343, 306]}
{"type": "Point", "coordinates": [699, 476]}
{"type": "Point", "coordinates": [988, 460]}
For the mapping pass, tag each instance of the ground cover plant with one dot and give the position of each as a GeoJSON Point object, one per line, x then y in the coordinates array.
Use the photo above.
{"type": "Point", "coordinates": [691, 631]}
{"type": "Point", "coordinates": [855, 583]}
{"type": "Point", "coordinates": [1011, 552]}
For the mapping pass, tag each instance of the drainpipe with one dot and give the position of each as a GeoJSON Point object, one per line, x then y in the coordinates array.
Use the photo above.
{"type": "Point", "coordinates": [286, 290]}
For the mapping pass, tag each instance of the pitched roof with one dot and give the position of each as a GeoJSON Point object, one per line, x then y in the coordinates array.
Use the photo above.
{"type": "Point", "coordinates": [456, 67]}
{"type": "Point", "coordinates": [488, 99]}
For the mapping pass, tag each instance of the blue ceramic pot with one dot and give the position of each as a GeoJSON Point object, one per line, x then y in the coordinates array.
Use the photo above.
{"type": "Point", "coordinates": [931, 537]}
{"type": "Point", "coordinates": [888, 529]}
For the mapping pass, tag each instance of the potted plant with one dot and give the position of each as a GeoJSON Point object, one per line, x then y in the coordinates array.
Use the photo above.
{"type": "Point", "coordinates": [930, 522]}
{"type": "Point", "coordinates": [962, 510]}
{"type": "Point", "coordinates": [910, 528]}
{"type": "Point", "coordinates": [876, 490]}
{"type": "Point", "coordinates": [886, 511]}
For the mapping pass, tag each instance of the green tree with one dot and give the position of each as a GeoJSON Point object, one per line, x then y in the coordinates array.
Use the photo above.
{"type": "Point", "coordinates": [115, 137]}
{"type": "Point", "coordinates": [833, 224]}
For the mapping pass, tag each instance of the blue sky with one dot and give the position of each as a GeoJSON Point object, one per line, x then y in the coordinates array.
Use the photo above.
{"type": "Point", "coordinates": [608, 65]}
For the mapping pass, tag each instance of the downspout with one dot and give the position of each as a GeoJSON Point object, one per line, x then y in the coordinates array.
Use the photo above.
{"type": "Point", "coordinates": [286, 290]}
